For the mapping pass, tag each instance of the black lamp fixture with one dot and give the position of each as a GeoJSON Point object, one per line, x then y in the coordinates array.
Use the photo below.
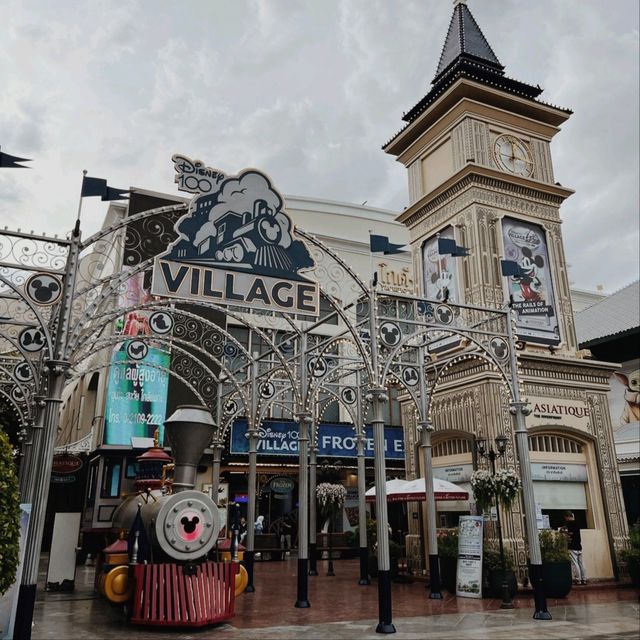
{"type": "Point", "coordinates": [501, 449]}
{"type": "Point", "coordinates": [501, 444]}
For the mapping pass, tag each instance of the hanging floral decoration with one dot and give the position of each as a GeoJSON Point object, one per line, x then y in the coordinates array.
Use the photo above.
{"type": "Point", "coordinates": [330, 496]}
{"type": "Point", "coordinates": [484, 488]}
{"type": "Point", "coordinates": [507, 487]}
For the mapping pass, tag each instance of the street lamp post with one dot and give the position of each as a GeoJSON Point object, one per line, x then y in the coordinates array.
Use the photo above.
{"type": "Point", "coordinates": [501, 446]}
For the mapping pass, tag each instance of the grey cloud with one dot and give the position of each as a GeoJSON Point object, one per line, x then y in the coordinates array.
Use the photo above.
{"type": "Point", "coordinates": [307, 92]}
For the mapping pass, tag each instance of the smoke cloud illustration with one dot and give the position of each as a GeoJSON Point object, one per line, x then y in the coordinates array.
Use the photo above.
{"type": "Point", "coordinates": [239, 196]}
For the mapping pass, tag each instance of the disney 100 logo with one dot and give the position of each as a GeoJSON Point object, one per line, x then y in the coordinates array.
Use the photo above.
{"type": "Point", "coordinates": [193, 176]}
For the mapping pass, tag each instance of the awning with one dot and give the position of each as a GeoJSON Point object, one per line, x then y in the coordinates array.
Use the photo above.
{"type": "Point", "coordinates": [414, 490]}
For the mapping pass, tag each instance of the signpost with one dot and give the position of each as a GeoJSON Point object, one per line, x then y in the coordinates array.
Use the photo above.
{"type": "Point", "coordinates": [469, 575]}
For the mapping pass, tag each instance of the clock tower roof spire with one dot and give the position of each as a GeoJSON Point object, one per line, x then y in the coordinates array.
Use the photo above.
{"type": "Point", "coordinates": [467, 55]}
{"type": "Point", "coordinates": [466, 40]}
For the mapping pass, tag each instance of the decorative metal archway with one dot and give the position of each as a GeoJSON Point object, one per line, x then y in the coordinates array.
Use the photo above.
{"type": "Point", "coordinates": [382, 332]}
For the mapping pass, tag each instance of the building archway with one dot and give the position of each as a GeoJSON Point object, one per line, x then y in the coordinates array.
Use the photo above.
{"type": "Point", "coordinates": [567, 477]}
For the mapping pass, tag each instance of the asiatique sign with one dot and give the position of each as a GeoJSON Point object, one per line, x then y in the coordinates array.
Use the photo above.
{"type": "Point", "coordinates": [280, 438]}
{"type": "Point", "coordinates": [236, 245]}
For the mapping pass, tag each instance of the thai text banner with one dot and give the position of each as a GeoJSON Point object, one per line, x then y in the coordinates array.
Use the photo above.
{"type": "Point", "coordinates": [280, 438]}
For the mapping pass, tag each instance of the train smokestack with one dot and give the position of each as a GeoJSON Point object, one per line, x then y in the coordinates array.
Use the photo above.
{"type": "Point", "coordinates": [189, 431]}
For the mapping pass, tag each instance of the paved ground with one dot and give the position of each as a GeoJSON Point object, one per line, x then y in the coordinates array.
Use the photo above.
{"type": "Point", "coordinates": [342, 609]}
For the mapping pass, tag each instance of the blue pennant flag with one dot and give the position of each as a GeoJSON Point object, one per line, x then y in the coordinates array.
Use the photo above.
{"type": "Point", "coordinates": [12, 162]}
{"type": "Point", "coordinates": [446, 246]}
{"type": "Point", "coordinates": [511, 268]}
{"type": "Point", "coordinates": [381, 244]}
{"type": "Point", "coordinates": [98, 187]}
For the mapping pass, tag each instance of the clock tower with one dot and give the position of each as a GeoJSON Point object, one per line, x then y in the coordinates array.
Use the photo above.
{"type": "Point", "coordinates": [480, 171]}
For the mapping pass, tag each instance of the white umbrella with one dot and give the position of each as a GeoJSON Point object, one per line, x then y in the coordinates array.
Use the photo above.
{"type": "Point", "coordinates": [442, 489]}
{"type": "Point", "coordinates": [413, 490]}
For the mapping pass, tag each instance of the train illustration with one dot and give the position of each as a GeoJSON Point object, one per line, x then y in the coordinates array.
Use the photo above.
{"type": "Point", "coordinates": [161, 566]}
{"type": "Point", "coordinates": [243, 227]}
{"type": "Point", "coordinates": [251, 238]}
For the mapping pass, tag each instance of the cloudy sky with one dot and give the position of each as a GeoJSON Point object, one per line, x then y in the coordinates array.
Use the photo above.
{"type": "Point", "coordinates": [308, 91]}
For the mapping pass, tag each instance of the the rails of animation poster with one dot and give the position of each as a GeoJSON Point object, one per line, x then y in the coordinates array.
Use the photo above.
{"type": "Point", "coordinates": [532, 290]}
{"type": "Point", "coordinates": [440, 271]}
{"type": "Point", "coordinates": [138, 376]}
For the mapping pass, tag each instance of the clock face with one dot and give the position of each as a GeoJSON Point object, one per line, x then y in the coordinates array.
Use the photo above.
{"type": "Point", "coordinates": [512, 155]}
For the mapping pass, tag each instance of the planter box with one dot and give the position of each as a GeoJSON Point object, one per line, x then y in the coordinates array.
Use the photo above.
{"type": "Point", "coordinates": [495, 583]}
{"type": "Point", "coordinates": [448, 570]}
{"type": "Point", "coordinates": [556, 579]}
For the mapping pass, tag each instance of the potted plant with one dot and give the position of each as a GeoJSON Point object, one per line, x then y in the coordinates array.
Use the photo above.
{"type": "Point", "coordinates": [507, 487]}
{"type": "Point", "coordinates": [556, 564]}
{"type": "Point", "coordinates": [484, 489]}
{"type": "Point", "coordinates": [492, 571]}
{"type": "Point", "coordinates": [331, 498]}
{"type": "Point", "coordinates": [631, 556]}
{"type": "Point", "coordinates": [372, 544]}
{"type": "Point", "coordinates": [9, 516]}
{"type": "Point", "coordinates": [448, 555]}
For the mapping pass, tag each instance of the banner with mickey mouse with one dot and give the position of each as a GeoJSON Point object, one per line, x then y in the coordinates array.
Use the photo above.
{"type": "Point", "coordinates": [531, 290]}
{"type": "Point", "coordinates": [440, 271]}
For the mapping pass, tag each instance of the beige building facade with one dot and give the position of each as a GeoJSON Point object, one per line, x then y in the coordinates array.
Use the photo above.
{"type": "Point", "coordinates": [480, 172]}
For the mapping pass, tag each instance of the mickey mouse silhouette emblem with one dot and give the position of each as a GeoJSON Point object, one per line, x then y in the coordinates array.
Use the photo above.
{"type": "Point", "coordinates": [410, 376]}
{"type": "Point", "coordinates": [230, 407]}
{"type": "Point", "coordinates": [161, 322]}
{"type": "Point", "coordinates": [390, 333]}
{"type": "Point", "coordinates": [22, 372]}
{"type": "Point", "coordinates": [31, 339]}
{"type": "Point", "coordinates": [137, 350]}
{"type": "Point", "coordinates": [444, 314]}
{"type": "Point", "coordinates": [43, 289]}
{"type": "Point", "coordinates": [267, 390]}
{"type": "Point", "coordinates": [317, 367]}
{"type": "Point", "coordinates": [499, 347]}
{"type": "Point", "coordinates": [348, 395]}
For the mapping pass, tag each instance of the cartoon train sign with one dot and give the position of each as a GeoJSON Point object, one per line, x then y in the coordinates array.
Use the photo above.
{"type": "Point", "coordinates": [236, 245]}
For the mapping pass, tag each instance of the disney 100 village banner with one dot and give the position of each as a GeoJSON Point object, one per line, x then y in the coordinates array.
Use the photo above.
{"type": "Point", "coordinates": [532, 291]}
{"type": "Point", "coordinates": [440, 271]}
{"type": "Point", "coordinates": [469, 575]}
{"type": "Point", "coordinates": [280, 438]}
{"type": "Point", "coordinates": [236, 245]}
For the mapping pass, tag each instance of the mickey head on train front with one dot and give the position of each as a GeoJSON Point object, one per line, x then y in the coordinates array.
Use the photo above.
{"type": "Point", "coordinates": [187, 525]}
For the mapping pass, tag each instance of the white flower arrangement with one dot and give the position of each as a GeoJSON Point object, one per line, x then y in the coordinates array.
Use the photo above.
{"type": "Point", "coordinates": [330, 496]}
{"type": "Point", "coordinates": [484, 488]}
{"type": "Point", "coordinates": [508, 486]}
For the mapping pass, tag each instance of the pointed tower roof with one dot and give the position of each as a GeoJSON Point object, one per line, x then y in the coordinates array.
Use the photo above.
{"type": "Point", "coordinates": [465, 39]}
{"type": "Point", "coordinates": [467, 54]}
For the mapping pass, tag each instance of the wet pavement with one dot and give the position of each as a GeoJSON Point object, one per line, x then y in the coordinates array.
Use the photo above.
{"type": "Point", "coordinates": [340, 608]}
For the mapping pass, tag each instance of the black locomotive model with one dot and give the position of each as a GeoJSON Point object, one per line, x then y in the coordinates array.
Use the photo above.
{"type": "Point", "coordinates": [170, 581]}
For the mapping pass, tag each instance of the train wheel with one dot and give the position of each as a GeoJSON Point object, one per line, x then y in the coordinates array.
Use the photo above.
{"type": "Point", "coordinates": [242, 580]}
{"type": "Point", "coordinates": [117, 585]}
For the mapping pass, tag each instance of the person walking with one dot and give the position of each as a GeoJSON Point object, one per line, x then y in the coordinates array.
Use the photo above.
{"type": "Point", "coordinates": [285, 536]}
{"type": "Point", "coordinates": [243, 529]}
{"type": "Point", "coordinates": [572, 528]}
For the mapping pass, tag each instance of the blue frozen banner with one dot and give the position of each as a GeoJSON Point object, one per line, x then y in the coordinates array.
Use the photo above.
{"type": "Point", "coordinates": [280, 438]}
